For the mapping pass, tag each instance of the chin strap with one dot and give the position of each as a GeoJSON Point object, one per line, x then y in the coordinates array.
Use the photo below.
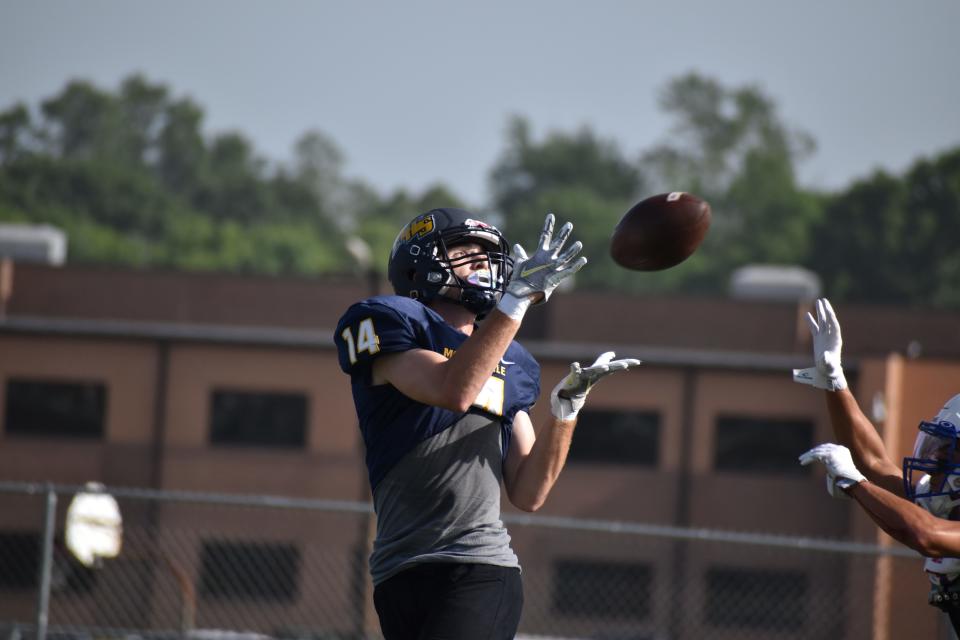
{"type": "Point", "coordinates": [476, 301]}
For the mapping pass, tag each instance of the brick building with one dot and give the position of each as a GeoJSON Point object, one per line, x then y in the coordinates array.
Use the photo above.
{"type": "Point", "coordinates": [225, 383]}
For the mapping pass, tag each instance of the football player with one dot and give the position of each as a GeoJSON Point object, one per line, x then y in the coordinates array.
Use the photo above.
{"type": "Point", "coordinates": [916, 502]}
{"type": "Point", "coordinates": [443, 405]}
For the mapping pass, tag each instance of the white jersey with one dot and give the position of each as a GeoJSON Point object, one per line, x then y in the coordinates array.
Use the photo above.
{"type": "Point", "coordinates": [938, 568]}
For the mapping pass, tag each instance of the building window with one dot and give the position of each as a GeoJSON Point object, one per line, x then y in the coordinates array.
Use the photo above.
{"type": "Point", "coordinates": [19, 553]}
{"type": "Point", "coordinates": [617, 437]}
{"type": "Point", "coordinates": [261, 419]}
{"type": "Point", "coordinates": [757, 599]}
{"type": "Point", "coordinates": [765, 445]}
{"type": "Point", "coordinates": [608, 590]}
{"type": "Point", "coordinates": [20, 565]}
{"type": "Point", "coordinates": [249, 570]}
{"type": "Point", "coordinates": [55, 409]}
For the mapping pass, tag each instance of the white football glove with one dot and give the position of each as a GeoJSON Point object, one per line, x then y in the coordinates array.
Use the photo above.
{"type": "Point", "coordinates": [570, 393]}
{"type": "Point", "coordinates": [825, 329]}
{"type": "Point", "coordinates": [541, 272]}
{"type": "Point", "coordinates": [841, 472]}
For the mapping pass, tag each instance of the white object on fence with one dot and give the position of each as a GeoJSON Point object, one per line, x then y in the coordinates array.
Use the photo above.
{"type": "Point", "coordinates": [94, 526]}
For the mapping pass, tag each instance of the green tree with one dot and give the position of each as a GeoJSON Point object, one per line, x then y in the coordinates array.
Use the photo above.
{"type": "Point", "coordinates": [729, 146]}
{"type": "Point", "coordinates": [15, 133]}
{"type": "Point", "coordinates": [79, 122]}
{"type": "Point", "coordinates": [580, 177]}
{"type": "Point", "coordinates": [527, 169]}
{"type": "Point", "coordinates": [181, 151]}
{"type": "Point", "coordinates": [133, 180]}
{"type": "Point", "coordinates": [234, 186]}
{"type": "Point", "coordinates": [142, 111]}
{"type": "Point", "coordinates": [379, 222]}
{"type": "Point", "coordinates": [892, 240]}
{"type": "Point", "coordinates": [318, 167]}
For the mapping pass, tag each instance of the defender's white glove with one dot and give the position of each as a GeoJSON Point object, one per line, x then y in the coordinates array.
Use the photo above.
{"type": "Point", "coordinates": [828, 373]}
{"type": "Point", "coordinates": [841, 472]}
{"type": "Point", "coordinates": [541, 272]}
{"type": "Point", "coordinates": [570, 393]}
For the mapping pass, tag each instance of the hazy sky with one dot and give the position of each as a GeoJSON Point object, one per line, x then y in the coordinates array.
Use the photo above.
{"type": "Point", "coordinates": [416, 92]}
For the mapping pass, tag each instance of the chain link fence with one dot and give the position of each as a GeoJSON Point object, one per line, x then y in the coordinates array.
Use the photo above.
{"type": "Point", "coordinates": [214, 567]}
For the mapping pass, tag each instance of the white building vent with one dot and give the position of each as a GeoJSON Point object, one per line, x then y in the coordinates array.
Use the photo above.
{"type": "Point", "coordinates": [33, 243]}
{"type": "Point", "coordinates": [777, 283]}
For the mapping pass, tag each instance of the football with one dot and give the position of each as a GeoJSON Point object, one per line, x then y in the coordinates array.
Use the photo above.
{"type": "Point", "coordinates": [660, 232]}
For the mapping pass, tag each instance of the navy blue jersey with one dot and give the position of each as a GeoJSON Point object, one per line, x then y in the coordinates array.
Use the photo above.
{"type": "Point", "coordinates": [391, 423]}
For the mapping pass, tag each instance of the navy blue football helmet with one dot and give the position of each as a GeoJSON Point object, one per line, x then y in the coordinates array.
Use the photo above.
{"type": "Point", "coordinates": [420, 266]}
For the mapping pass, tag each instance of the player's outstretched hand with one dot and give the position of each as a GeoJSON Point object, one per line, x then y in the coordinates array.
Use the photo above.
{"type": "Point", "coordinates": [827, 343]}
{"type": "Point", "coordinates": [570, 393]}
{"type": "Point", "coordinates": [535, 277]}
{"type": "Point", "coordinates": [842, 473]}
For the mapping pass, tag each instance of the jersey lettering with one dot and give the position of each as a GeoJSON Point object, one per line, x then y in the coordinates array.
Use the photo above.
{"type": "Point", "coordinates": [490, 398]}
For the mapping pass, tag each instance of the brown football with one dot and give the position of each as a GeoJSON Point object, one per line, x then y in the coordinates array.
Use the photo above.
{"type": "Point", "coordinates": [660, 232]}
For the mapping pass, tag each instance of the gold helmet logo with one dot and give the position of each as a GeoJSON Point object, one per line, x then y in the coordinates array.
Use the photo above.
{"type": "Point", "coordinates": [417, 229]}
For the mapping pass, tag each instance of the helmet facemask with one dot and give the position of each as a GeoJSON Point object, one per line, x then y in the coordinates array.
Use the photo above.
{"type": "Point", "coordinates": [480, 290]}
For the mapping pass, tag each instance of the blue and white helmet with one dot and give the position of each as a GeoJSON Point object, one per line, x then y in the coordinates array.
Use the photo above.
{"type": "Point", "coordinates": [931, 476]}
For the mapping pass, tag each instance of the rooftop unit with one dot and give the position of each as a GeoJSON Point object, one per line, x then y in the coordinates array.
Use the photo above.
{"type": "Point", "coordinates": [775, 283]}
{"type": "Point", "coordinates": [43, 244]}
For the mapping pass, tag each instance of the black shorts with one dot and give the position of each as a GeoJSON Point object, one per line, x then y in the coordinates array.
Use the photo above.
{"type": "Point", "coordinates": [450, 601]}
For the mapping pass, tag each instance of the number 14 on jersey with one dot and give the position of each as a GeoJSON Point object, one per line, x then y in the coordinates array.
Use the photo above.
{"type": "Point", "coordinates": [366, 340]}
